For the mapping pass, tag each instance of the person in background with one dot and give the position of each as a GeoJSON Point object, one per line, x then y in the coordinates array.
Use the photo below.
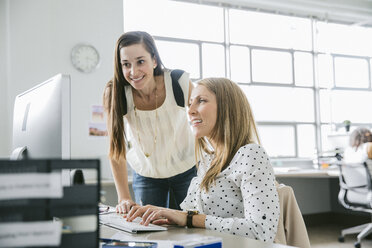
{"type": "Point", "coordinates": [360, 148]}
{"type": "Point", "coordinates": [234, 191]}
{"type": "Point", "coordinates": [139, 103]}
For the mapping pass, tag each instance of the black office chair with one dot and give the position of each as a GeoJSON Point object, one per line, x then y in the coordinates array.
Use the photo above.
{"type": "Point", "coordinates": [356, 194]}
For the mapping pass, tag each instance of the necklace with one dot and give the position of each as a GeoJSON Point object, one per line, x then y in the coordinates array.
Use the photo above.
{"type": "Point", "coordinates": [156, 125]}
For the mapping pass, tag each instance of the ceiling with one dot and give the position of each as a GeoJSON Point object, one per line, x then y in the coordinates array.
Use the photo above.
{"type": "Point", "coordinates": [353, 12]}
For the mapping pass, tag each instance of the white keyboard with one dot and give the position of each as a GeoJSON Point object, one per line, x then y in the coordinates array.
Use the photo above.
{"type": "Point", "coordinates": [117, 221]}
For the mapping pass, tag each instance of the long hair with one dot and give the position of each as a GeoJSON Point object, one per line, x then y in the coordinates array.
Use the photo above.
{"type": "Point", "coordinates": [234, 128]}
{"type": "Point", "coordinates": [114, 93]}
{"type": "Point", "coordinates": [360, 136]}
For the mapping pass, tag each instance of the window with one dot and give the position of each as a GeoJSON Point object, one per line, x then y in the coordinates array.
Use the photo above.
{"type": "Point", "coordinates": [351, 72]}
{"type": "Point", "coordinates": [279, 141]}
{"type": "Point", "coordinates": [240, 64]}
{"type": "Point", "coordinates": [269, 30]}
{"type": "Point", "coordinates": [344, 39]}
{"type": "Point", "coordinates": [339, 105]}
{"type": "Point", "coordinates": [189, 52]}
{"type": "Point", "coordinates": [280, 104]}
{"type": "Point", "coordinates": [213, 60]}
{"type": "Point", "coordinates": [302, 77]}
{"type": "Point", "coordinates": [174, 19]}
{"type": "Point", "coordinates": [271, 66]}
{"type": "Point", "coordinates": [325, 69]}
{"type": "Point", "coordinates": [303, 64]}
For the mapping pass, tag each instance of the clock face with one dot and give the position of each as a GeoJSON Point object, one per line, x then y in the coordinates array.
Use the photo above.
{"type": "Point", "coordinates": [85, 58]}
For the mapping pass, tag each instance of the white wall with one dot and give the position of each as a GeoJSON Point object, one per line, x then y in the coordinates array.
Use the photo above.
{"type": "Point", "coordinates": [4, 110]}
{"type": "Point", "coordinates": [40, 35]}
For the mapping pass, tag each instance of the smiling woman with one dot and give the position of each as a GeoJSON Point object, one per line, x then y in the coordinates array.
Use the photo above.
{"type": "Point", "coordinates": [202, 111]}
{"type": "Point", "coordinates": [139, 95]}
{"type": "Point", "coordinates": [234, 191]}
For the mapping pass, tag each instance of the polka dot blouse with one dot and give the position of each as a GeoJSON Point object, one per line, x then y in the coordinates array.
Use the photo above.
{"type": "Point", "coordinates": [244, 200]}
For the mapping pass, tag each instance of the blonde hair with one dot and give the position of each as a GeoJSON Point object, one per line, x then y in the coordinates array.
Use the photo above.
{"type": "Point", "coordinates": [234, 128]}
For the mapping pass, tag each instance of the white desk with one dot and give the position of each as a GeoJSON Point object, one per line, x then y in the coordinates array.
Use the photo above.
{"type": "Point", "coordinates": [180, 233]}
{"type": "Point", "coordinates": [311, 186]}
{"type": "Point", "coordinates": [298, 173]}
{"type": "Point", "coordinates": [279, 172]}
{"type": "Point", "coordinates": [315, 189]}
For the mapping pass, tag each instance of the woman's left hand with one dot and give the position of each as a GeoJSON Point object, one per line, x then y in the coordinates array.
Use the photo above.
{"type": "Point", "coordinates": [158, 215]}
{"type": "Point", "coordinates": [161, 216]}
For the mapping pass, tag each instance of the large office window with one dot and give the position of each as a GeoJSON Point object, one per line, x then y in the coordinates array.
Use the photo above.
{"type": "Point", "coordinates": [302, 77]}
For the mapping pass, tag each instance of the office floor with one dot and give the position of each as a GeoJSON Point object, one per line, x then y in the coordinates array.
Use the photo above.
{"type": "Point", "coordinates": [325, 236]}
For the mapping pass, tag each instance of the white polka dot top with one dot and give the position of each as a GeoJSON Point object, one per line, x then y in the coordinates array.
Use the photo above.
{"type": "Point", "coordinates": [244, 200]}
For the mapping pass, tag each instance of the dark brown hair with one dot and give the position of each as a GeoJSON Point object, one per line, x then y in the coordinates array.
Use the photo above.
{"type": "Point", "coordinates": [114, 94]}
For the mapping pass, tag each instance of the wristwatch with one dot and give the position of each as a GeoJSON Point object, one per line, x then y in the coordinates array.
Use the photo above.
{"type": "Point", "coordinates": [190, 214]}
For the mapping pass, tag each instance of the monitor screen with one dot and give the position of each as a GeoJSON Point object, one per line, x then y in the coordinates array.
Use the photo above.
{"type": "Point", "coordinates": [41, 120]}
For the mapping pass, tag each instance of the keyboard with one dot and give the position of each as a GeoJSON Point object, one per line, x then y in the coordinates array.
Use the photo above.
{"type": "Point", "coordinates": [117, 221]}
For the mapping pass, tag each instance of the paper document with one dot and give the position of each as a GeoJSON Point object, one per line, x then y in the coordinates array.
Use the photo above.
{"type": "Point", "coordinates": [38, 233]}
{"type": "Point", "coordinates": [30, 185]}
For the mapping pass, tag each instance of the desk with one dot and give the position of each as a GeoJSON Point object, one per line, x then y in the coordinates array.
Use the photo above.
{"type": "Point", "coordinates": [306, 173]}
{"type": "Point", "coordinates": [312, 188]}
{"type": "Point", "coordinates": [181, 233]}
{"type": "Point", "coordinates": [316, 190]}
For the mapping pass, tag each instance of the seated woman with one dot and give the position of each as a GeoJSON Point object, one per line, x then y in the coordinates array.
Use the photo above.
{"type": "Point", "coordinates": [360, 149]}
{"type": "Point", "coordinates": [234, 191]}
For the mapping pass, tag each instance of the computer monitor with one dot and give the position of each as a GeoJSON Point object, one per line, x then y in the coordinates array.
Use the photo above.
{"type": "Point", "coordinates": [41, 121]}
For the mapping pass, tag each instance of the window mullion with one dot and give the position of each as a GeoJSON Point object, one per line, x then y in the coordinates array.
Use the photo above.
{"type": "Point", "coordinates": [227, 42]}
{"type": "Point", "coordinates": [318, 132]}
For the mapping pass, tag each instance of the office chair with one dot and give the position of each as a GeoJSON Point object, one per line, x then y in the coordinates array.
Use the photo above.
{"type": "Point", "coordinates": [291, 227]}
{"type": "Point", "coordinates": [356, 194]}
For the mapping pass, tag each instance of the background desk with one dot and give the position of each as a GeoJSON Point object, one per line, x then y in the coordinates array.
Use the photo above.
{"type": "Point", "coordinates": [317, 196]}
{"type": "Point", "coordinates": [312, 188]}
{"type": "Point", "coordinates": [316, 190]}
{"type": "Point", "coordinates": [180, 233]}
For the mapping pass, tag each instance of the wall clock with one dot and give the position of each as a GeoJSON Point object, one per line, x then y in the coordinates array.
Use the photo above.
{"type": "Point", "coordinates": [85, 58]}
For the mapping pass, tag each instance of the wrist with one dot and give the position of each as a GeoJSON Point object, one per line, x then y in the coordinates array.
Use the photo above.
{"type": "Point", "coordinates": [184, 219]}
{"type": "Point", "coordinates": [124, 199]}
{"type": "Point", "coordinates": [190, 216]}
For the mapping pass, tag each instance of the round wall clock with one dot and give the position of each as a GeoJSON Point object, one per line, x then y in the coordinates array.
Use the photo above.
{"type": "Point", "coordinates": [85, 57]}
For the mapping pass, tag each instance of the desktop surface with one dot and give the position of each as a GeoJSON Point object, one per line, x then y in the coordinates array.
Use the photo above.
{"type": "Point", "coordinates": [175, 233]}
{"type": "Point", "coordinates": [299, 172]}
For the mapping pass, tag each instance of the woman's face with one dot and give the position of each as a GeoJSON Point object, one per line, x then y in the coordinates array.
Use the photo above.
{"type": "Point", "coordinates": [137, 65]}
{"type": "Point", "coordinates": [202, 111]}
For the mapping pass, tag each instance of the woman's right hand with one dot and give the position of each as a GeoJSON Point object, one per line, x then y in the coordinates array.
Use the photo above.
{"type": "Point", "coordinates": [124, 206]}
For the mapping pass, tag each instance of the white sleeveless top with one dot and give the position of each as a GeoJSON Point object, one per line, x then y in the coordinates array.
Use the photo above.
{"type": "Point", "coordinates": [356, 156]}
{"type": "Point", "coordinates": [173, 152]}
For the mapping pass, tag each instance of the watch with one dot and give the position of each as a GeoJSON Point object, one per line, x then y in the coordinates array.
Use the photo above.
{"type": "Point", "coordinates": [85, 57]}
{"type": "Point", "coordinates": [190, 214]}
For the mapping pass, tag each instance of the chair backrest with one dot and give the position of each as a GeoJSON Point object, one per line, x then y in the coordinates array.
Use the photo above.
{"type": "Point", "coordinates": [355, 186]}
{"type": "Point", "coordinates": [291, 226]}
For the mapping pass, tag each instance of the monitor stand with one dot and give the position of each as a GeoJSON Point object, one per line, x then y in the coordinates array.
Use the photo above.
{"type": "Point", "coordinates": [20, 153]}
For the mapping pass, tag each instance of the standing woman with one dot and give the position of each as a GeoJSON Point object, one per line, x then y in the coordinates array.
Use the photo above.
{"type": "Point", "coordinates": [161, 148]}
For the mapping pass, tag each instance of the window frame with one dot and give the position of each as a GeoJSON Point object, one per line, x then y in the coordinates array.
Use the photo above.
{"type": "Point", "coordinates": [316, 87]}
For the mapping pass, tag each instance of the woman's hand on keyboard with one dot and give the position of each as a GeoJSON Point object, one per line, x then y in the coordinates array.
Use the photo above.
{"type": "Point", "coordinates": [161, 216]}
{"type": "Point", "coordinates": [124, 206]}
{"type": "Point", "coordinates": [157, 215]}
{"type": "Point", "coordinates": [137, 211]}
